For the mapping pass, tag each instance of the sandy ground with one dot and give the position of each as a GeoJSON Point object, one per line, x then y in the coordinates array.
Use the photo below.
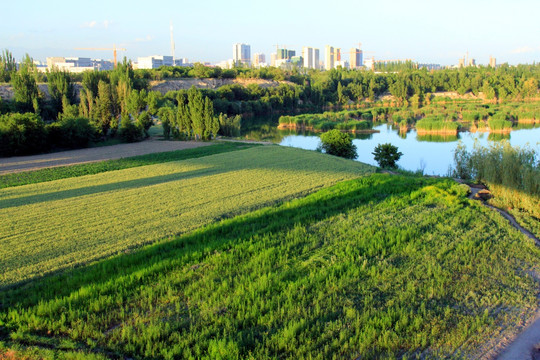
{"type": "Point", "coordinates": [524, 345]}
{"type": "Point", "coordinates": [33, 162]}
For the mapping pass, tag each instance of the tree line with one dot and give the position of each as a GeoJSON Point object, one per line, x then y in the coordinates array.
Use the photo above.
{"type": "Point", "coordinates": [120, 103]}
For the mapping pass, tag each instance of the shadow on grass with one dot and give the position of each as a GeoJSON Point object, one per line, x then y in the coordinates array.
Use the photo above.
{"type": "Point", "coordinates": [316, 207]}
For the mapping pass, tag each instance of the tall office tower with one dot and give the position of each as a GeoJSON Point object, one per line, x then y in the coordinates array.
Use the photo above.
{"type": "Point", "coordinates": [329, 57]}
{"type": "Point", "coordinates": [308, 54]}
{"type": "Point", "coordinates": [172, 45]}
{"type": "Point", "coordinates": [259, 59]}
{"type": "Point", "coordinates": [241, 54]}
{"type": "Point", "coordinates": [273, 58]}
{"type": "Point", "coordinates": [492, 62]}
{"type": "Point", "coordinates": [356, 58]}
{"type": "Point", "coordinates": [337, 57]}
{"type": "Point", "coordinates": [472, 62]}
{"type": "Point", "coordinates": [285, 54]}
{"type": "Point", "coordinates": [461, 63]}
{"type": "Point", "coordinates": [316, 62]}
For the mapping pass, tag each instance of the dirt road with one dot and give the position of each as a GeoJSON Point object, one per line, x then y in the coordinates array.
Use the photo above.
{"type": "Point", "coordinates": [33, 162]}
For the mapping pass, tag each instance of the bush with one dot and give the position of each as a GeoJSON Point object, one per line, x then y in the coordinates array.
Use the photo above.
{"type": "Point", "coordinates": [71, 133]}
{"type": "Point", "coordinates": [387, 155]}
{"type": "Point", "coordinates": [22, 134]}
{"type": "Point", "coordinates": [334, 142]}
{"type": "Point", "coordinates": [129, 131]}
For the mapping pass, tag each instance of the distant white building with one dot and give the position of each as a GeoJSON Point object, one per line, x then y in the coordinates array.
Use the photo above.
{"type": "Point", "coordinates": [311, 57]}
{"type": "Point", "coordinates": [154, 62]}
{"type": "Point", "coordinates": [78, 64]}
{"type": "Point", "coordinates": [259, 59]}
{"type": "Point", "coordinates": [242, 54]}
{"type": "Point", "coordinates": [343, 63]}
{"type": "Point", "coordinates": [329, 57]}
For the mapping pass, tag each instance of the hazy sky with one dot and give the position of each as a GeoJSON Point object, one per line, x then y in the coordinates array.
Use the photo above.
{"type": "Point", "coordinates": [428, 31]}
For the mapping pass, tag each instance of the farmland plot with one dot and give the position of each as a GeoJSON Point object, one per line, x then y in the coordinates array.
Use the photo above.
{"type": "Point", "coordinates": [59, 224]}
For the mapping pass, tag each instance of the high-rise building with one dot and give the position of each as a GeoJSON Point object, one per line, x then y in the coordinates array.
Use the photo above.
{"type": "Point", "coordinates": [329, 57]}
{"type": "Point", "coordinates": [241, 54]}
{"type": "Point", "coordinates": [311, 57]}
{"type": "Point", "coordinates": [273, 58]}
{"type": "Point", "coordinates": [472, 62]}
{"type": "Point", "coordinates": [283, 54]}
{"type": "Point", "coordinates": [259, 59]}
{"type": "Point", "coordinates": [356, 58]}
{"type": "Point", "coordinates": [461, 63]}
{"type": "Point", "coordinates": [492, 62]}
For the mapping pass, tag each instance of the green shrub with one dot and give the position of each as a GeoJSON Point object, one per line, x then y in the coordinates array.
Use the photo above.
{"type": "Point", "coordinates": [387, 155]}
{"type": "Point", "coordinates": [71, 133]}
{"type": "Point", "coordinates": [334, 142]}
{"type": "Point", "coordinates": [22, 134]}
{"type": "Point", "coordinates": [129, 131]}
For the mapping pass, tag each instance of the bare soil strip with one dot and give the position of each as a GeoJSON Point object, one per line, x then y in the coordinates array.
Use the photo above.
{"type": "Point", "coordinates": [71, 157]}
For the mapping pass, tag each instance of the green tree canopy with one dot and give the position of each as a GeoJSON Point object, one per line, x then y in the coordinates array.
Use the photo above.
{"type": "Point", "coordinates": [334, 142]}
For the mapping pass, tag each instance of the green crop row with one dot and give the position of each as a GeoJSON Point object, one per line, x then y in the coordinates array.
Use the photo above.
{"type": "Point", "coordinates": [377, 267]}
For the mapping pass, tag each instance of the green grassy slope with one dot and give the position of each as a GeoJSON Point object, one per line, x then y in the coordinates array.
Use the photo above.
{"type": "Point", "coordinates": [58, 224]}
{"type": "Point", "coordinates": [379, 267]}
{"type": "Point", "coordinates": [64, 172]}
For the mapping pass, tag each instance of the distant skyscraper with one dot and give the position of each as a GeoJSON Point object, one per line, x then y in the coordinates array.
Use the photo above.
{"type": "Point", "coordinates": [241, 54]}
{"type": "Point", "coordinates": [472, 62]}
{"type": "Point", "coordinates": [356, 58]}
{"type": "Point", "coordinates": [492, 62]}
{"type": "Point", "coordinates": [283, 54]}
{"type": "Point", "coordinates": [258, 59]}
{"type": "Point", "coordinates": [329, 57]}
{"type": "Point", "coordinates": [461, 62]}
{"type": "Point", "coordinates": [311, 57]}
{"type": "Point", "coordinates": [273, 58]}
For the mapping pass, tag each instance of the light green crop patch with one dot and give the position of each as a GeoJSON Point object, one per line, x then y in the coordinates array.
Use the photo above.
{"type": "Point", "coordinates": [62, 223]}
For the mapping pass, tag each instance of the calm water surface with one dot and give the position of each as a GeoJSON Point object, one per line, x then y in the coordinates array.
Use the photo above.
{"type": "Point", "coordinates": [431, 153]}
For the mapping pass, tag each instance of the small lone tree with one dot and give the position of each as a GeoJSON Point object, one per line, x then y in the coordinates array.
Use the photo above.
{"type": "Point", "coordinates": [334, 142]}
{"type": "Point", "coordinates": [387, 155]}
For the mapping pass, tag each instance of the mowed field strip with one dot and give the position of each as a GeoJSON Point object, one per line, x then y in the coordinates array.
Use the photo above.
{"type": "Point", "coordinates": [59, 224]}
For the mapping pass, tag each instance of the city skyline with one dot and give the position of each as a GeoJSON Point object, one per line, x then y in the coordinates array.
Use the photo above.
{"type": "Point", "coordinates": [419, 30]}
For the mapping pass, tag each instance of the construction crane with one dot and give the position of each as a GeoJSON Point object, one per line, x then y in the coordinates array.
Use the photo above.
{"type": "Point", "coordinates": [114, 50]}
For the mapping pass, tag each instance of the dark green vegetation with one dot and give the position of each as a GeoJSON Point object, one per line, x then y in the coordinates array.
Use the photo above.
{"type": "Point", "coordinates": [353, 121]}
{"type": "Point", "coordinates": [334, 142]}
{"type": "Point", "coordinates": [379, 267]}
{"type": "Point", "coordinates": [63, 172]}
{"type": "Point", "coordinates": [386, 155]}
{"type": "Point", "coordinates": [434, 116]}
{"type": "Point", "coordinates": [511, 173]}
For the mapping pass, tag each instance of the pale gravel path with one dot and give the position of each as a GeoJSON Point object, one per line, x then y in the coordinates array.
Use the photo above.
{"type": "Point", "coordinates": [71, 157]}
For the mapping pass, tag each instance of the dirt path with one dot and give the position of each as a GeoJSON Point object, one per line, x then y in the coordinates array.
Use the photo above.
{"type": "Point", "coordinates": [523, 346]}
{"type": "Point", "coordinates": [71, 157]}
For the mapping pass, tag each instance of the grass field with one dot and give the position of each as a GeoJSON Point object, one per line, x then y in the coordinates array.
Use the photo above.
{"type": "Point", "coordinates": [58, 224]}
{"type": "Point", "coordinates": [378, 267]}
{"type": "Point", "coordinates": [64, 172]}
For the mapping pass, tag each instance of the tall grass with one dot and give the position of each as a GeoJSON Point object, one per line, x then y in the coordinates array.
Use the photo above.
{"type": "Point", "coordinates": [512, 173]}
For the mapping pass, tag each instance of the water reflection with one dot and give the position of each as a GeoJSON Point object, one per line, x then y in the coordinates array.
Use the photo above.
{"type": "Point", "coordinates": [433, 153]}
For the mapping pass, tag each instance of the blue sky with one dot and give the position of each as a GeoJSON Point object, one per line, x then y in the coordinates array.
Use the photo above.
{"type": "Point", "coordinates": [427, 31]}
